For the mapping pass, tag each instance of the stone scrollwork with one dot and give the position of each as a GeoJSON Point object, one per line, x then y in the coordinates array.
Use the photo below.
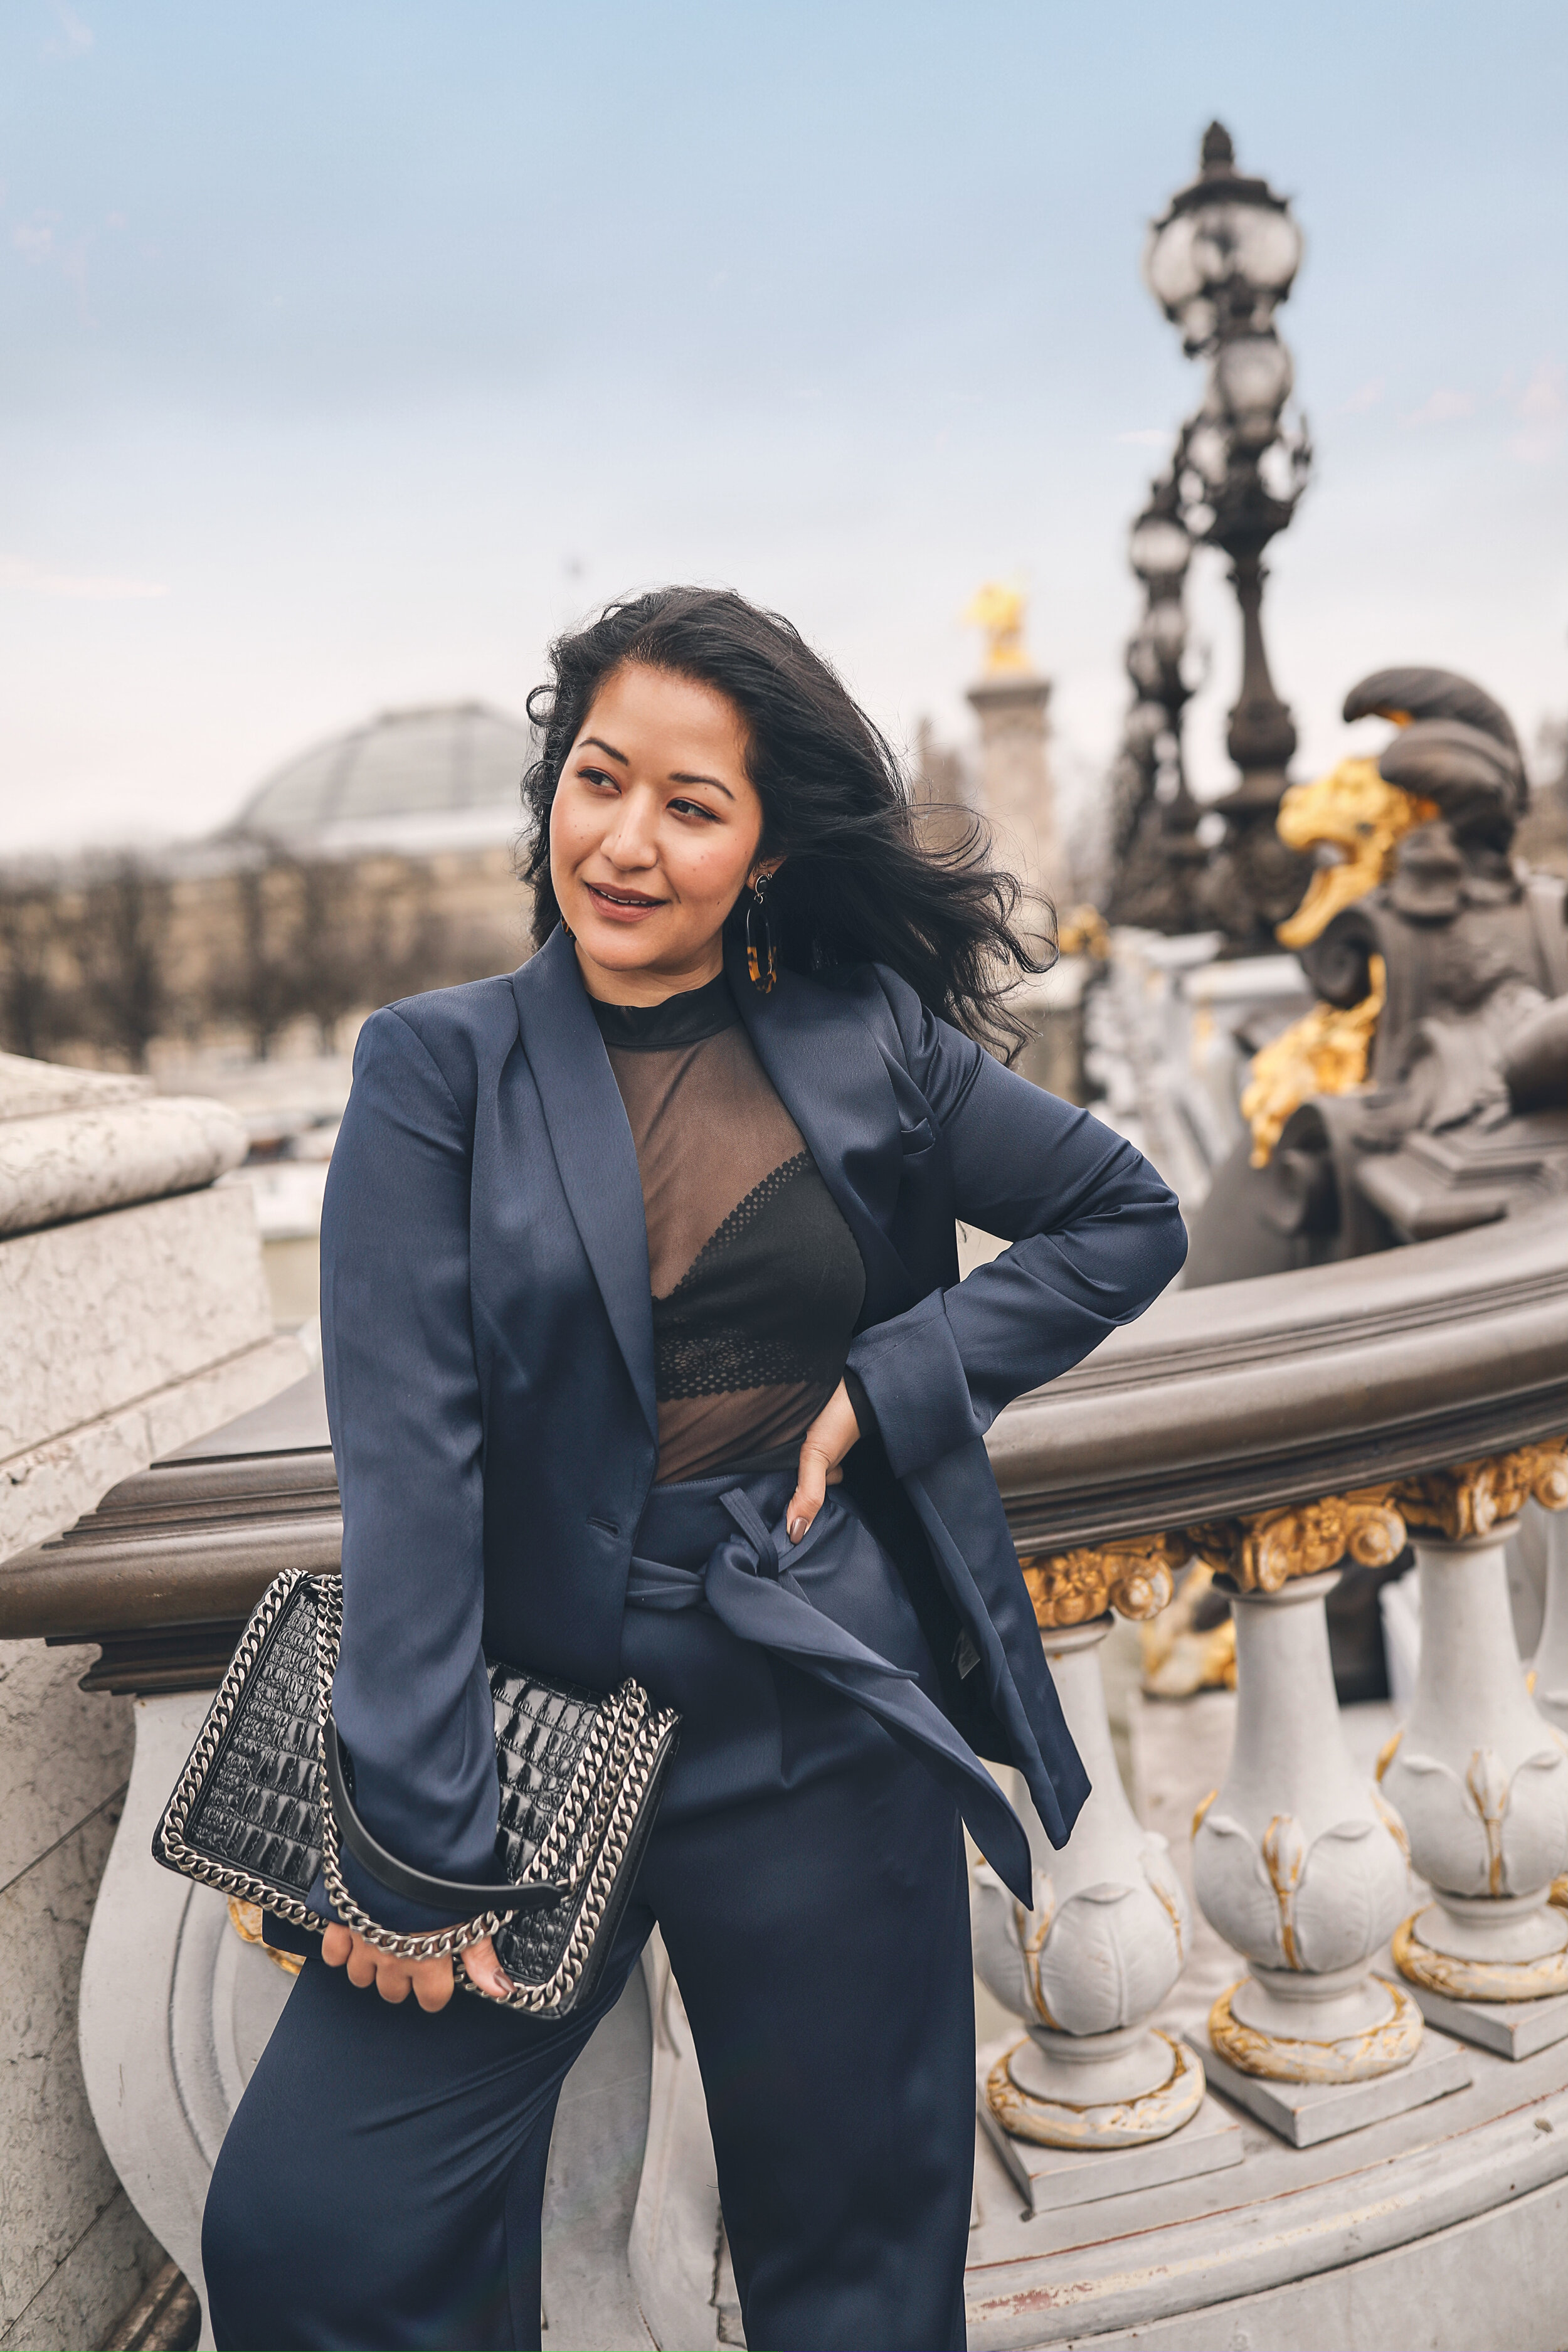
{"type": "Point", "coordinates": [1267, 1549]}
{"type": "Point", "coordinates": [1134, 1577]}
{"type": "Point", "coordinates": [1473, 1497]}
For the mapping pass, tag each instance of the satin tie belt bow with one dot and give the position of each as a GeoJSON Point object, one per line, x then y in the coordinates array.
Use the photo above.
{"type": "Point", "coordinates": [745, 1583]}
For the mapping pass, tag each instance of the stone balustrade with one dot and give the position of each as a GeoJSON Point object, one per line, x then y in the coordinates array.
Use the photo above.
{"type": "Point", "coordinates": [1273, 1430]}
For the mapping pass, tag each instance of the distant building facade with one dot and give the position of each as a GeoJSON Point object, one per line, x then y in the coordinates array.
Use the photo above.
{"type": "Point", "coordinates": [378, 863]}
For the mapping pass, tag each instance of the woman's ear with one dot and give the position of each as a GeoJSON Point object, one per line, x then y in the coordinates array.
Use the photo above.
{"type": "Point", "coordinates": [764, 868]}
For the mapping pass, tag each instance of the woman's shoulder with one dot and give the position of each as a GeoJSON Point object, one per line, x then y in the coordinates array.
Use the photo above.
{"type": "Point", "coordinates": [902, 1019]}
{"type": "Point", "coordinates": [456, 1029]}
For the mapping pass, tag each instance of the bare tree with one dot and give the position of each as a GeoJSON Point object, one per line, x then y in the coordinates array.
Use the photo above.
{"type": "Point", "coordinates": [36, 1014]}
{"type": "Point", "coordinates": [121, 934]}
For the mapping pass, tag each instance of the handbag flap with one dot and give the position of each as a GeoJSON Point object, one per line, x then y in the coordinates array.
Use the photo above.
{"type": "Point", "coordinates": [257, 1806]}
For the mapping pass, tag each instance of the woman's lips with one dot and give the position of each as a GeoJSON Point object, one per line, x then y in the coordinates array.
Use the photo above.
{"type": "Point", "coordinates": [621, 906]}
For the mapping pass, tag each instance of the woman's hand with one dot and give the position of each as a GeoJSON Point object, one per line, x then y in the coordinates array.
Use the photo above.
{"type": "Point", "coordinates": [822, 1449]}
{"type": "Point", "coordinates": [430, 1982]}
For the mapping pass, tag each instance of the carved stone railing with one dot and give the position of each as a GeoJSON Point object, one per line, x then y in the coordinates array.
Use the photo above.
{"type": "Point", "coordinates": [1278, 1430]}
{"type": "Point", "coordinates": [1274, 1429]}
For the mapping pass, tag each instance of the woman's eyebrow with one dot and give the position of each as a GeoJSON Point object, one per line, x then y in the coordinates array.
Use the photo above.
{"type": "Point", "coordinates": [600, 745]}
{"type": "Point", "coordinates": [677, 778]}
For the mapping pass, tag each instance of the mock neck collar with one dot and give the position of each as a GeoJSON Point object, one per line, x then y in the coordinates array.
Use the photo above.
{"type": "Point", "coordinates": [685, 1019]}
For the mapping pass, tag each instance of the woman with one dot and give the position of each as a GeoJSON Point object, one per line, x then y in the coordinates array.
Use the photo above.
{"type": "Point", "coordinates": [627, 1261]}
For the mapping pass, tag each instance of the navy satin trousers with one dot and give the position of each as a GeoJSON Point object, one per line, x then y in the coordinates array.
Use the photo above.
{"type": "Point", "coordinates": [380, 2183]}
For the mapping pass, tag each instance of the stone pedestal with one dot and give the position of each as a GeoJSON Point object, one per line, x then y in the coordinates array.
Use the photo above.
{"type": "Point", "coordinates": [1302, 1867]}
{"type": "Point", "coordinates": [1016, 781]}
{"type": "Point", "coordinates": [1089, 1966]}
{"type": "Point", "coordinates": [1052, 2178]}
{"type": "Point", "coordinates": [1481, 1780]}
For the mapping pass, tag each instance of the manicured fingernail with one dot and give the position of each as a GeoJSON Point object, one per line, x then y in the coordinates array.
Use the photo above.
{"type": "Point", "coordinates": [796, 1529]}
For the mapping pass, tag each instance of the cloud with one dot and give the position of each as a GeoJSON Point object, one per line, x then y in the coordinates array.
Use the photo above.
{"type": "Point", "coordinates": [75, 37]}
{"type": "Point", "coordinates": [1443, 406]}
{"type": "Point", "coordinates": [1542, 410]}
{"type": "Point", "coordinates": [35, 239]}
{"type": "Point", "coordinates": [92, 587]}
{"type": "Point", "coordinates": [1365, 396]}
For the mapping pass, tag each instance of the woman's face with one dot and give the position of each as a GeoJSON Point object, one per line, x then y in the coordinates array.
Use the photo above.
{"type": "Point", "coordinates": [653, 834]}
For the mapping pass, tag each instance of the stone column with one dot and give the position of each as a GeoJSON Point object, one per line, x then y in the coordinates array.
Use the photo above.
{"type": "Point", "coordinates": [1550, 1663]}
{"type": "Point", "coordinates": [1479, 1772]}
{"type": "Point", "coordinates": [1297, 1860]}
{"type": "Point", "coordinates": [1016, 780]}
{"type": "Point", "coordinates": [1089, 1966]}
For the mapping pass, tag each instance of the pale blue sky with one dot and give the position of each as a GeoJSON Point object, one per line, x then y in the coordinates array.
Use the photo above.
{"type": "Point", "coordinates": [353, 347]}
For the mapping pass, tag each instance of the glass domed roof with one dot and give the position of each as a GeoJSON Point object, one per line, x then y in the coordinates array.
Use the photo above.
{"type": "Point", "coordinates": [455, 767]}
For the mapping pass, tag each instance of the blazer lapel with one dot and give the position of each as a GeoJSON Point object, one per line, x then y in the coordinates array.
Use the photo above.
{"type": "Point", "coordinates": [836, 1087]}
{"type": "Point", "coordinates": [593, 1145]}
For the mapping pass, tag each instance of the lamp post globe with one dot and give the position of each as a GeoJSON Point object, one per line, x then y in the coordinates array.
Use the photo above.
{"type": "Point", "coordinates": [1225, 251]}
{"type": "Point", "coordinates": [1219, 261]}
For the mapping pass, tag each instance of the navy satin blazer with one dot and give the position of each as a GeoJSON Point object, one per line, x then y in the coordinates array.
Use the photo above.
{"type": "Point", "coordinates": [488, 1337]}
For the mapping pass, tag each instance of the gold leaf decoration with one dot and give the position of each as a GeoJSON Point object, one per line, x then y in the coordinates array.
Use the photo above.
{"type": "Point", "coordinates": [1324, 1052]}
{"type": "Point", "coordinates": [1355, 810]}
{"type": "Point", "coordinates": [1265, 1551]}
{"type": "Point", "coordinates": [1470, 1498]}
{"type": "Point", "coordinates": [1134, 1578]}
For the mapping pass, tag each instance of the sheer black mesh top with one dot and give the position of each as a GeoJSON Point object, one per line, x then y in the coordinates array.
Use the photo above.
{"type": "Point", "coordinates": [756, 1277]}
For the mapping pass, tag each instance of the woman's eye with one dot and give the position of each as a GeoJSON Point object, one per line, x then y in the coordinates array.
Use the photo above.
{"type": "Point", "coordinates": [595, 776]}
{"type": "Point", "coordinates": [694, 808]}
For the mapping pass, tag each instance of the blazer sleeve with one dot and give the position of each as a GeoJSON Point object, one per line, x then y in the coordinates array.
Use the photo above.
{"type": "Point", "coordinates": [412, 1698]}
{"type": "Point", "coordinates": [1095, 1237]}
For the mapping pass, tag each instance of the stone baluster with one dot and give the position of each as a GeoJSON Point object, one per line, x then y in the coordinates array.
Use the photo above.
{"type": "Point", "coordinates": [1297, 1860]}
{"type": "Point", "coordinates": [1089, 1966]}
{"type": "Point", "coordinates": [1550, 1661]}
{"type": "Point", "coordinates": [1479, 1773]}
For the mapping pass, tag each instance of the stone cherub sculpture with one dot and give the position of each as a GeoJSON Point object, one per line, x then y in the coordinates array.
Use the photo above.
{"type": "Point", "coordinates": [1427, 1091]}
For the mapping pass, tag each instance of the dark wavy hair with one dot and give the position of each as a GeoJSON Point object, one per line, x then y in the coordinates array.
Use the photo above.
{"type": "Point", "coordinates": [858, 884]}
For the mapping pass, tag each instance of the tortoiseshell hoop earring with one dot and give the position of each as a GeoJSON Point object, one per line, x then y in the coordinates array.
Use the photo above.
{"type": "Point", "coordinates": [762, 966]}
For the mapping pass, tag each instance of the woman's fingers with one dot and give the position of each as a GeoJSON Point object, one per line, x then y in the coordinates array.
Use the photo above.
{"type": "Point", "coordinates": [362, 1964]}
{"type": "Point", "coordinates": [432, 1984]}
{"type": "Point", "coordinates": [822, 1449]}
{"type": "Point", "coordinates": [486, 1972]}
{"type": "Point", "coordinates": [811, 1486]}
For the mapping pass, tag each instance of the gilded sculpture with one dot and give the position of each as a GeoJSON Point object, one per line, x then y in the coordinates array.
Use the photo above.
{"type": "Point", "coordinates": [1355, 810]}
{"type": "Point", "coordinates": [998, 610]}
{"type": "Point", "coordinates": [1425, 1093]}
{"type": "Point", "coordinates": [1324, 1052]}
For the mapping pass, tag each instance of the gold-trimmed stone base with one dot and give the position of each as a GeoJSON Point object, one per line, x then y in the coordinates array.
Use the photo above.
{"type": "Point", "coordinates": [1380, 2049]}
{"type": "Point", "coordinates": [1119, 2123]}
{"type": "Point", "coordinates": [1477, 1979]}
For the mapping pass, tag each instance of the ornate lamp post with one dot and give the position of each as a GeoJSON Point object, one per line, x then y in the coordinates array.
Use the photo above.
{"type": "Point", "coordinates": [1157, 852]}
{"type": "Point", "coordinates": [1219, 262]}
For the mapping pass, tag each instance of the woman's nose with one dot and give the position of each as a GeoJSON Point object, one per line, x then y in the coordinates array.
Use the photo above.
{"type": "Point", "coordinates": [630, 840]}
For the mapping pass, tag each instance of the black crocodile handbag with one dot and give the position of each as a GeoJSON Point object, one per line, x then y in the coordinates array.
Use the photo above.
{"type": "Point", "coordinates": [266, 1801]}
